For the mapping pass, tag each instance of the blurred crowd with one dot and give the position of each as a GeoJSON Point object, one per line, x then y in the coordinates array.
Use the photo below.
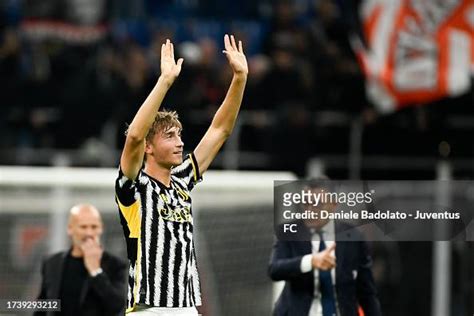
{"type": "Point", "coordinates": [305, 86]}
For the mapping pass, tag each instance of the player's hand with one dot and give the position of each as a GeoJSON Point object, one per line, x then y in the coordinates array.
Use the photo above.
{"type": "Point", "coordinates": [235, 55]}
{"type": "Point", "coordinates": [92, 254]}
{"type": "Point", "coordinates": [324, 260]}
{"type": "Point", "coordinates": [170, 68]}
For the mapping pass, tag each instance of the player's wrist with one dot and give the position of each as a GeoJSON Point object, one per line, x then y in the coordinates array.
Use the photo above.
{"type": "Point", "coordinates": [241, 75]}
{"type": "Point", "coordinates": [167, 79]}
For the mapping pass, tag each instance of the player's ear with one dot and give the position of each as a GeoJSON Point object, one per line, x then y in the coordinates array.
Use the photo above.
{"type": "Point", "coordinates": [148, 149]}
{"type": "Point", "coordinates": [69, 229]}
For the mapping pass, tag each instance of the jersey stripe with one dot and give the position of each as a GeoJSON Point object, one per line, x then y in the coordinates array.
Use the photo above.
{"type": "Point", "coordinates": [149, 257]}
{"type": "Point", "coordinates": [165, 268]}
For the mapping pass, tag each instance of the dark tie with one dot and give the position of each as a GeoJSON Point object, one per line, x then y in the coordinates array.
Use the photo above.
{"type": "Point", "coordinates": [325, 286]}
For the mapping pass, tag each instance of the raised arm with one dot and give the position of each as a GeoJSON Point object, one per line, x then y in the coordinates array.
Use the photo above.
{"type": "Point", "coordinates": [225, 117]}
{"type": "Point", "coordinates": [133, 151]}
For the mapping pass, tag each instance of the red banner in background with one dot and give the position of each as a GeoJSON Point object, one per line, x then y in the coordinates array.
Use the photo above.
{"type": "Point", "coordinates": [417, 51]}
{"type": "Point", "coordinates": [72, 21]}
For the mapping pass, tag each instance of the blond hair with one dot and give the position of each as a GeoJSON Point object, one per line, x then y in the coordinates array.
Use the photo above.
{"type": "Point", "coordinates": [164, 120]}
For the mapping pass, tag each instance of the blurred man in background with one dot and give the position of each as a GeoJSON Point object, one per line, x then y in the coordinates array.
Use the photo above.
{"type": "Point", "coordinates": [323, 279]}
{"type": "Point", "coordinates": [88, 280]}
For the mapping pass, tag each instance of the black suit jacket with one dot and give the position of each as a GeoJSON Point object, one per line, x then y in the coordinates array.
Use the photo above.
{"type": "Point", "coordinates": [354, 282]}
{"type": "Point", "coordinates": [103, 295]}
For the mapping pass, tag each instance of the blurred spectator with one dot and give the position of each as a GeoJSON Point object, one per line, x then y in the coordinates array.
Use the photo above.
{"type": "Point", "coordinates": [339, 84]}
{"type": "Point", "coordinates": [295, 138]}
{"type": "Point", "coordinates": [286, 29]}
{"type": "Point", "coordinates": [69, 89]}
{"type": "Point", "coordinates": [284, 82]}
{"type": "Point", "coordinates": [10, 81]}
{"type": "Point", "coordinates": [138, 80]}
{"type": "Point", "coordinates": [87, 280]}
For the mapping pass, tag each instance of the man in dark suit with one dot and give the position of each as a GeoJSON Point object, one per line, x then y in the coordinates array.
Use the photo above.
{"type": "Point", "coordinates": [88, 280]}
{"type": "Point", "coordinates": [317, 286]}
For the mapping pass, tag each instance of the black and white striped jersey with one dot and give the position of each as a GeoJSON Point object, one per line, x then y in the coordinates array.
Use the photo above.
{"type": "Point", "coordinates": [158, 225]}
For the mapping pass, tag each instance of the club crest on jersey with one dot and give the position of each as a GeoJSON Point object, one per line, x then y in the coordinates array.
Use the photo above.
{"type": "Point", "coordinates": [180, 215]}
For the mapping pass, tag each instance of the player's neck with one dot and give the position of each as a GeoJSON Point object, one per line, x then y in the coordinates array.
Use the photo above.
{"type": "Point", "coordinates": [159, 172]}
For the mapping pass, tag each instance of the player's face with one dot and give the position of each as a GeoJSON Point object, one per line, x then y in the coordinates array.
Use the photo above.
{"type": "Point", "coordinates": [167, 147]}
{"type": "Point", "coordinates": [83, 226]}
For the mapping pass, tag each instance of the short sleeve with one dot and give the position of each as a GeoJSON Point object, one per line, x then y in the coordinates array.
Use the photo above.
{"type": "Point", "coordinates": [188, 172]}
{"type": "Point", "coordinates": [126, 196]}
{"type": "Point", "coordinates": [125, 189]}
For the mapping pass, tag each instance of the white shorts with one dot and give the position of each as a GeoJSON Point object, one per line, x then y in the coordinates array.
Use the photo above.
{"type": "Point", "coordinates": [143, 310]}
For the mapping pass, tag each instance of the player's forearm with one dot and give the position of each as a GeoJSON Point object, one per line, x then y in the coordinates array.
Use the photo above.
{"type": "Point", "coordinates": [226, 115]}
{"type": "Point", "coordinates": [145, 116]}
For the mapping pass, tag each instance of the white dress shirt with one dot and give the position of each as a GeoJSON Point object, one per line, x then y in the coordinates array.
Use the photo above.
{"type": "Point", "coordinates": [329, 236]}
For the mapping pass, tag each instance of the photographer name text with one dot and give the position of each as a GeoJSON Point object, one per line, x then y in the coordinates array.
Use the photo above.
{"type": "Point", "coordinates": [369, 215]}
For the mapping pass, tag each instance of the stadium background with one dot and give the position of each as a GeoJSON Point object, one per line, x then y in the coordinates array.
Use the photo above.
{"type": "Point", "coordinates": [72, 73]}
